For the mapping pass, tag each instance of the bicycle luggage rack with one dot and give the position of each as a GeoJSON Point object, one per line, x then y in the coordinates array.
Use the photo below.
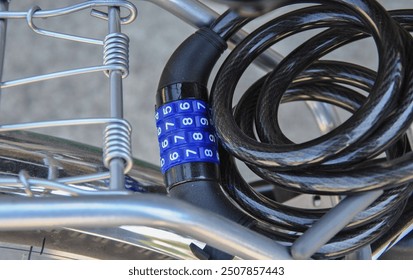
{"type": "Point", "coordinates": [117, 155]}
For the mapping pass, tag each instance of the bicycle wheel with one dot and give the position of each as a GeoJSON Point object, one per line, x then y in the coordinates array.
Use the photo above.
{"type": "Point", "coordinates": [41, 154]}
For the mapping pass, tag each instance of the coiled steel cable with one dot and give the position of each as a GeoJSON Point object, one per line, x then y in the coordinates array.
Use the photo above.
{"type": "Point", "coordinates": [342, 162]}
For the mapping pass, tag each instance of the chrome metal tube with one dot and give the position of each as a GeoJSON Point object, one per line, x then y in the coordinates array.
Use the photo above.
{"type": "Point", "coordinates": [117, 166]}
{"type": "Point", "coordinates": [193, 12]}
{"type": "Point", "coordinates": [57, 123]}
{"type": "Point", "coordinates": [331, 223]}
{"type": "Point", "coordinates": [409, 133]}
{"type": "Point", "coordinates": [4, 6]}
{"type": "Point", "coordinates": [199, 15]}
{"type": "Point", "coordinates": [325, 115]}
{"type": "Point", "coordinates": [254, 7]}
{"type": "Point", "coordinates": [22, 213]}
{"type": "Point", "coordinates": [78, 162]}
{"type": "Point", "coordinates": [56, 75]}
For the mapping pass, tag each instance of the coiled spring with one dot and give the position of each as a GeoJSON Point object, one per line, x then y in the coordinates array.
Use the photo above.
{"type": "Point", "coordinates": [116, 52]}
{"type": "Point", "coordinates": [117, 143]}
{"type": "Point", "coordinates": [342, 162]}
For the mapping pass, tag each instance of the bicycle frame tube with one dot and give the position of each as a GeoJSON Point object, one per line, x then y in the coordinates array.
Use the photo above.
{"type": "Point", "coordinates": [148, 210]}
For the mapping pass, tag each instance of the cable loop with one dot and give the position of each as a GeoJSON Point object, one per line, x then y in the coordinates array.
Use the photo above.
{"type": "Point", "coordinates": [341, 162]}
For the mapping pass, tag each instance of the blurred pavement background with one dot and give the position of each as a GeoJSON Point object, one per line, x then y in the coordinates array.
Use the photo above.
{"type": "Point", "coordinates": [154, 36]}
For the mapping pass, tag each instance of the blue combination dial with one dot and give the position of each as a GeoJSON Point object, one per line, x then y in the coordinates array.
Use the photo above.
{"type": "Point", "coordinates": [185, 133]}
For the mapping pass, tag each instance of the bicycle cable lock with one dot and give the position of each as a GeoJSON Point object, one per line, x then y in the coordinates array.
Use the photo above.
{"type": "Point", "coordinates": [188, 146]}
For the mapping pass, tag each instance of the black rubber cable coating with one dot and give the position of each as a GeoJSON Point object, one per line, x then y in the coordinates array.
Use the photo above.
{"type": "Point", "coordinates": [193, 61]}
{"type": "Point", "coordinates": [342, 161]}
